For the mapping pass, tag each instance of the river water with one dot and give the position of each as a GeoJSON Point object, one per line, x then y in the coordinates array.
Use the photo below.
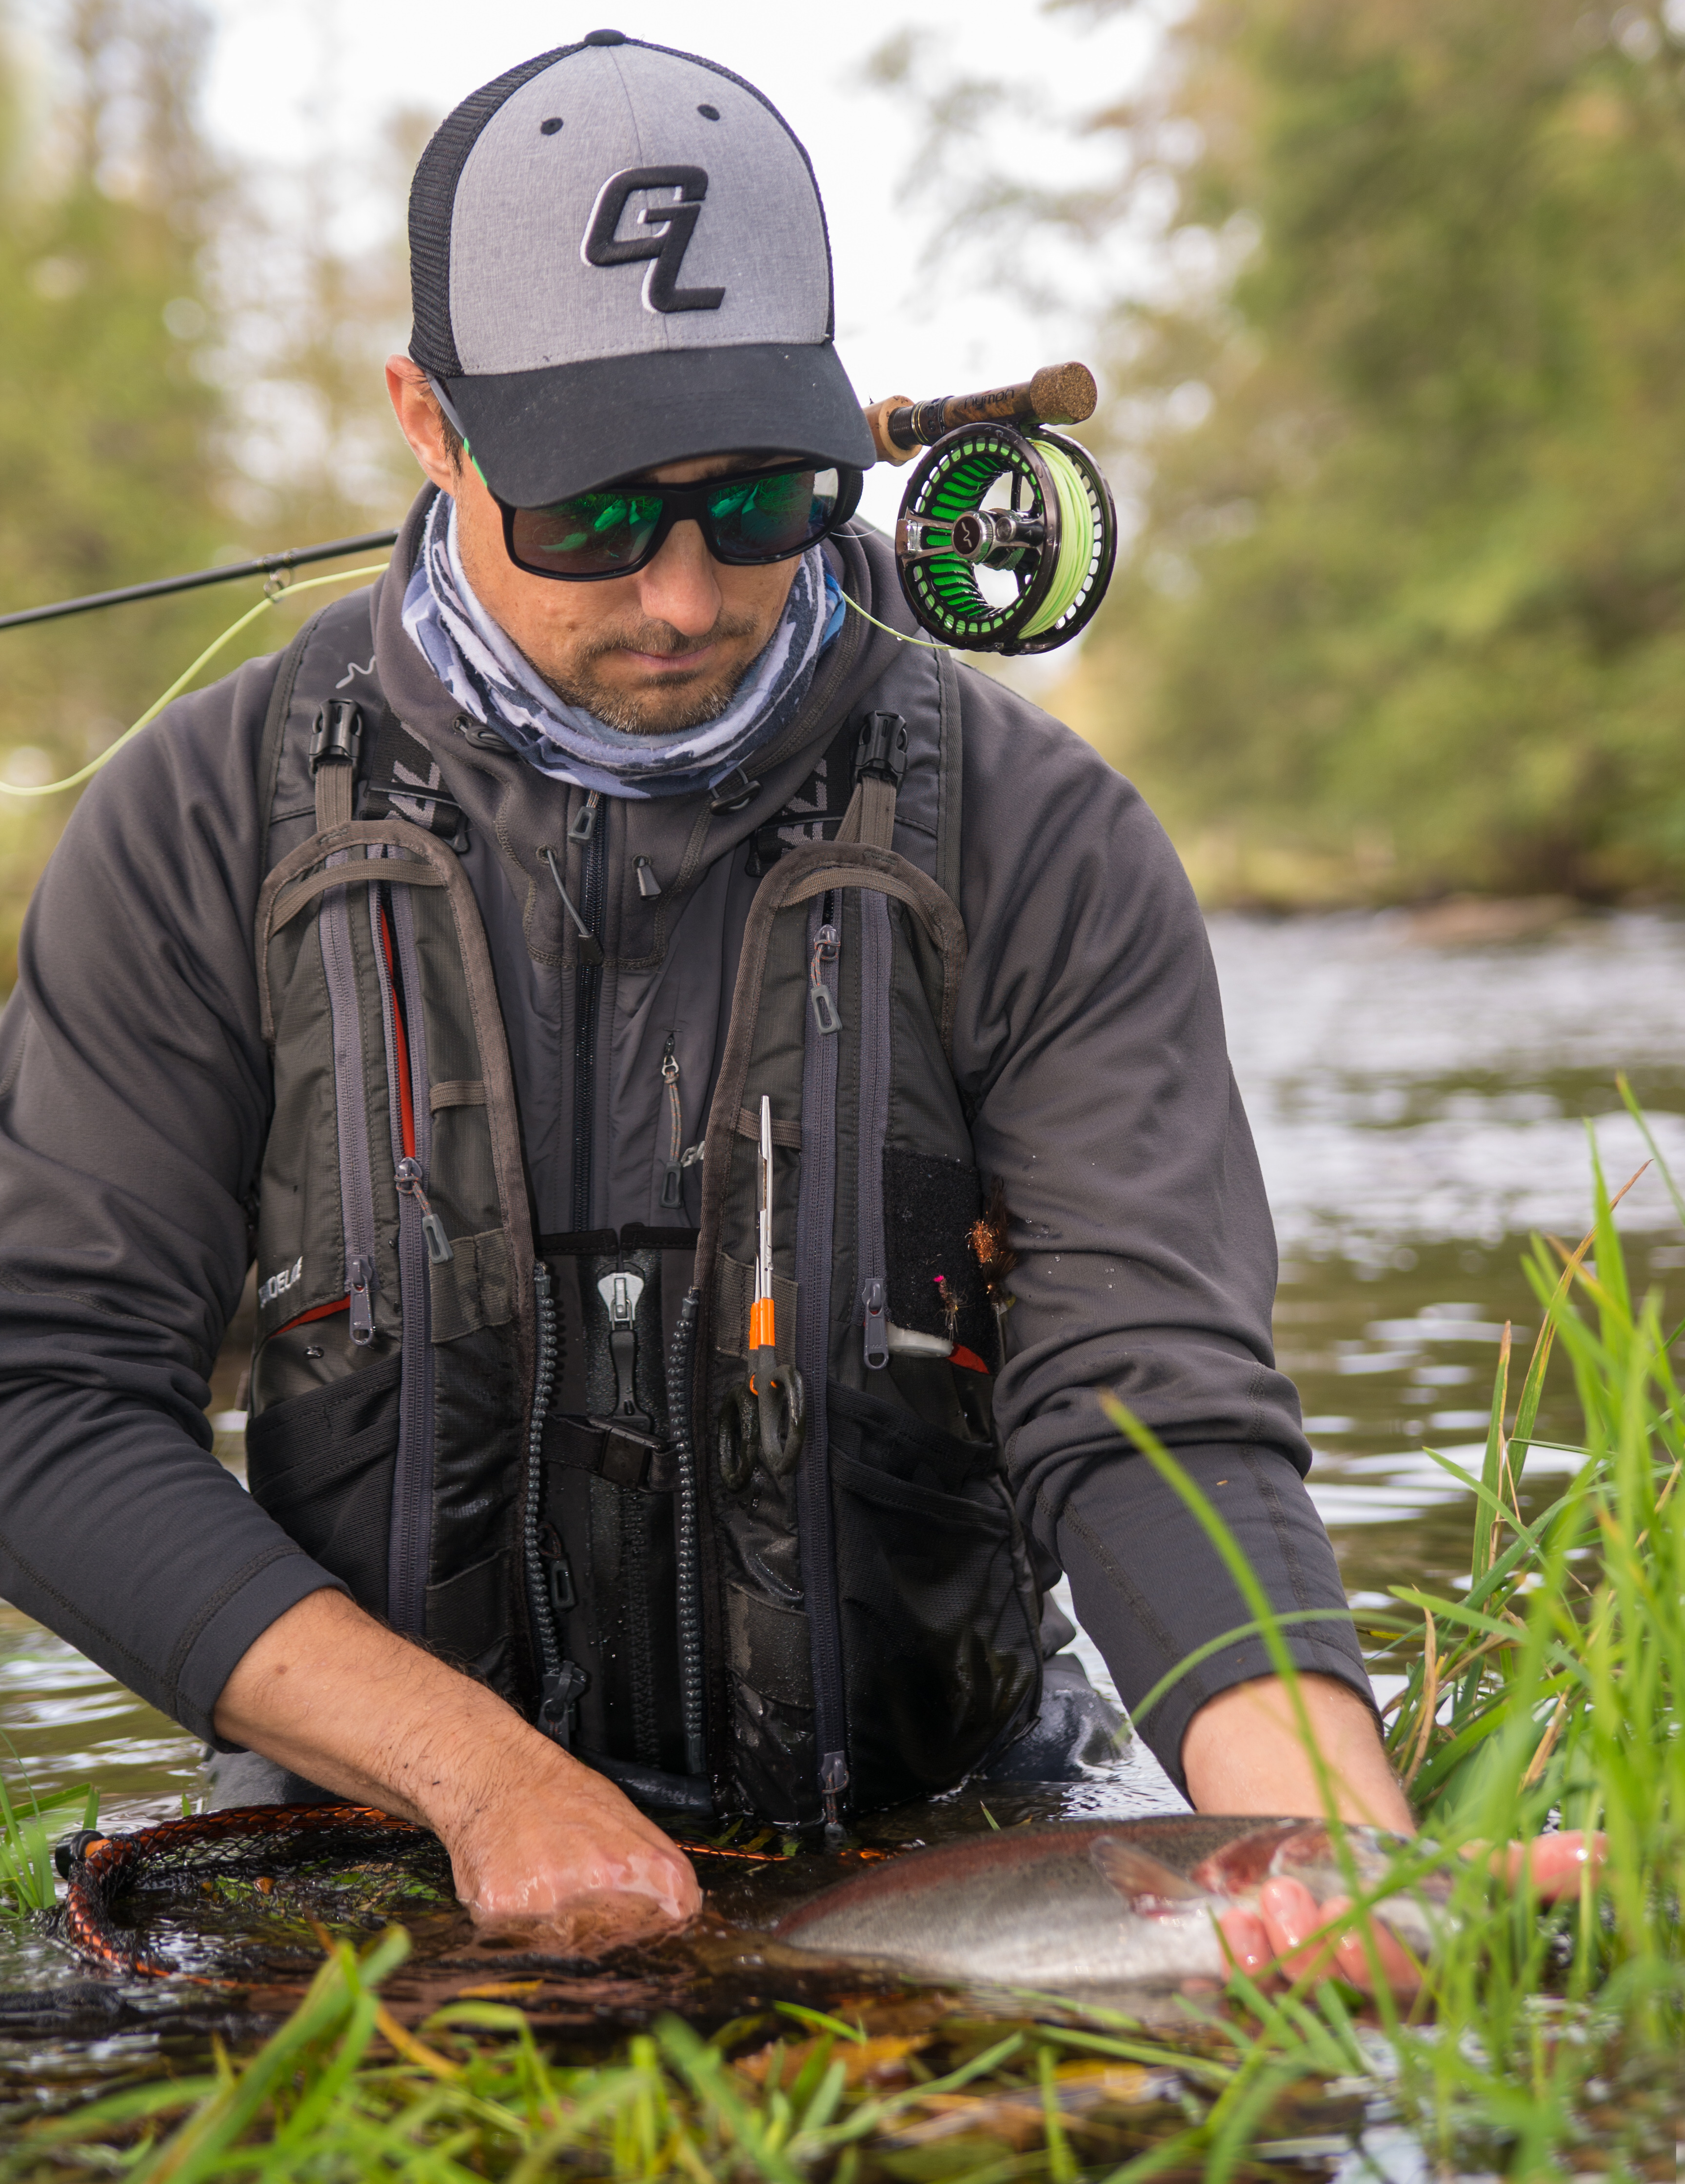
{"type": "Point", "coordinates": [1418, 1087]}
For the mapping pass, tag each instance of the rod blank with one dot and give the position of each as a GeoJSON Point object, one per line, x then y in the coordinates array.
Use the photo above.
{"type": "Point", "coordinates": [293, 557]}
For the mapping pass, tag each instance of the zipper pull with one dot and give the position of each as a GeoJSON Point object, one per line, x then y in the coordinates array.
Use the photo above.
{"type": "Point", "coordinates": [590, 947]}
{"type": "Point", "coordinates": [359, 1279]}
{"type": "Point", "coordinates": [408, 1176]}
{"type": "Point", "coordinates": [619, 1294]}
{"type": "Point", "coordinates": [876, 1308]}
{"type": "Point", "coordinates": [560, 1695]}
{"type": "Point", "coordinates": [673, 1175]}
{"type": "Point", "coordinates": [648, 885]}
{"type": "Point", "coordinates": [585, 826]}
{"type": "Point", "coordinates": [558, 1577]}
{"type": "Point", "coordinates": [825, 948]}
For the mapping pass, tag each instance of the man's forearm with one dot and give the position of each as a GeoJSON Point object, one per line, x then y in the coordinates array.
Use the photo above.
{"type": "Point", "coordinates": [331, 1694]}
{"type": "Point", "coordinates": [334, 1696]}
{"type": "Point", "coordinates": [1244, 1753]}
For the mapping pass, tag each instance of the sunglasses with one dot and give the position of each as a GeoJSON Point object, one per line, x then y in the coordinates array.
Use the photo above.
{"type": "Point", "coordinates": [747, 520]}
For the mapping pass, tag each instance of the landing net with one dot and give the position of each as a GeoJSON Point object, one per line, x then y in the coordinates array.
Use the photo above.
{"type": "Point", "coordinates": [242, 1892]}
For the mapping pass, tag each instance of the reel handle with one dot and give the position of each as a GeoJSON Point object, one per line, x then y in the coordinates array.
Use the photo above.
{"type": "Point", "coordinates": [1058, 394]}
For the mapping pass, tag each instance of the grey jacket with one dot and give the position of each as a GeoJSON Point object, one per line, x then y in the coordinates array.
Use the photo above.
{"type": "Point", "coordinates": [135, 1096]}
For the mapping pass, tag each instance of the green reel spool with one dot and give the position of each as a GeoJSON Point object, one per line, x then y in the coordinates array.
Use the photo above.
{"type": "Point", "coordinates": [1006, 539]}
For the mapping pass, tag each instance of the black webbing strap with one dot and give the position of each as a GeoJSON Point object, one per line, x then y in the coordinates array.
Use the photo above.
{"type": "Point", "coordinates": [402, 780]}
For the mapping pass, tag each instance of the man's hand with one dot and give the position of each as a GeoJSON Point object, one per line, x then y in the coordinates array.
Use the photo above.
{"type": "Point", "coordinates": [1290, 1934]}
{"type": "Point", "coordinates": [335, 1696]}
{"type": "Point", "coordinates": [1243, 1753]}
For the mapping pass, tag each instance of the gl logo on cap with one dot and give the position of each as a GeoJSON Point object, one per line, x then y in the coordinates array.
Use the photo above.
{"type": "Point", "coordinates": [677, 221]}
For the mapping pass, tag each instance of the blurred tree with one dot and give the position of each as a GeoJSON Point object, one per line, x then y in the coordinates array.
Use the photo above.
{"type": "Point", "coordinates": [187, 377]}
{"type": "Point", "coordinates": [108, 432]}
{"type": "Point", "coordinates": [1401, 380]}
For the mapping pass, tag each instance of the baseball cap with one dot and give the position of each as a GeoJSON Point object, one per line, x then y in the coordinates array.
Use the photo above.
{"type": "Point", "coordinates": [618, 259]}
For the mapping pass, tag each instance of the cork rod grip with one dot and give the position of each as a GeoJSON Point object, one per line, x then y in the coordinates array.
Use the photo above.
{"type": "Point", "coordinates": [1058, 394]}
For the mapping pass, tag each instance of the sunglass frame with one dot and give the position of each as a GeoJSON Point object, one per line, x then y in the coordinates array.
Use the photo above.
{"type": "Point", "coordinates": [682, 504]}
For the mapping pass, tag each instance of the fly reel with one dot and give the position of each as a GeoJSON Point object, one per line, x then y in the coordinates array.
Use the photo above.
{"type": "Point", "coordinates": [1008, 533]}
{"type": "Point", "coordinates": [1006, 539]}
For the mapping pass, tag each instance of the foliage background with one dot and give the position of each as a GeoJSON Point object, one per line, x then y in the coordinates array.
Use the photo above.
{"type": "Point", "coordinates": [1396, 408]}
{"type": "Point", "coordinates": [1405, 610]}
{"type": "Point", "coordinates": [188, 374]}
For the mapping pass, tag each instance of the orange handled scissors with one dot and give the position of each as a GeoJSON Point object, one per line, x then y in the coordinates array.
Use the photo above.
{"type": "Point", "coordinates": [780, 1397]}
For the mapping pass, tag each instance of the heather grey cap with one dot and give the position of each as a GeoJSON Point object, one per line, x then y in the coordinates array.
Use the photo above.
{"type": "Point", "coordinates": [618, 259]}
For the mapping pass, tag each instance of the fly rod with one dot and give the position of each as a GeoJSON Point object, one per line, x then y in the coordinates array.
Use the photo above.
{"type": "Point", "coordinates": [1005, 543]}
{"type": "Point", "coordinates": [269, 565]}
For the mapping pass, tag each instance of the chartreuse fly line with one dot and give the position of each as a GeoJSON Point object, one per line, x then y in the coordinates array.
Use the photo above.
{"type": "Point", "coordinates": [269, 598]}
{"type": "Point", "coordinates": [1075, 560]}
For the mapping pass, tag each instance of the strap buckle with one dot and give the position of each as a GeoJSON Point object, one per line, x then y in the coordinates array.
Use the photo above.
{"type": "Point", "coordinates": [733, 793]}
{"type": "Point", "coordinates": [880, 754]}
{"type": "Point", "coordinates": [337, 735]}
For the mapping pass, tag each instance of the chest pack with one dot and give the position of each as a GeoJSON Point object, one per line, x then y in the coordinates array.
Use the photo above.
{"type": "Point", "coordinates": [538, 1454]}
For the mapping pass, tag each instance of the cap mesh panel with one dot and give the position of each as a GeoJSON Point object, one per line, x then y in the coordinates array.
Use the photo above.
{"type": "Point", "coordinates": [432, 196]}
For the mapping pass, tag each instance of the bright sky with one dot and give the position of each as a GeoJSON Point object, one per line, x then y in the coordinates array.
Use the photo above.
{"type": "Point", "coordinates": [289, 76]}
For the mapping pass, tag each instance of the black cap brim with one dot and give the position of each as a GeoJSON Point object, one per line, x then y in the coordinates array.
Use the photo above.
{"type": "Point", "coordinates": [541, 436]}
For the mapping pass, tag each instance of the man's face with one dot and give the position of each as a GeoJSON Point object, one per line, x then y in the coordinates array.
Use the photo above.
{"type": "Point", "coordinates": [661, 649]}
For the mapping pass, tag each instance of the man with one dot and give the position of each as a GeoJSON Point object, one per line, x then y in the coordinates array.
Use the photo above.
{"type": "Point", "coordinates": [444, 966]}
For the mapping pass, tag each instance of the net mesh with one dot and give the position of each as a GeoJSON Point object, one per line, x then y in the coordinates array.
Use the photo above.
{"type": "Point", "coordinates": [244, 1889]}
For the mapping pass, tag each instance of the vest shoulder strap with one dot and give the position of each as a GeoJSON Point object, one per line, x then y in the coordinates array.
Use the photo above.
{"type": "Point", "coordinates": [891, 777]}
{"type": "Point", "coordinates": [329, 664]}
{"type": "Point", "coordinates": [332, 751]}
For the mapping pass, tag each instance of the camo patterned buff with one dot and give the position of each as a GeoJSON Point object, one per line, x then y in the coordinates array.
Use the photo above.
{"type": "Point", "coordinates": [491, 679]}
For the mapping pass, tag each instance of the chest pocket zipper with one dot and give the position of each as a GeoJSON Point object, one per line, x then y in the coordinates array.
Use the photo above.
{"type": "Point", "coordinates": [677, 1161]}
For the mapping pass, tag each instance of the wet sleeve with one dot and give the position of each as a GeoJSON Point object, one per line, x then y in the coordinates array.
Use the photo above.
{"type": "Point", "coordinates": [133, 1102]}
{"type": "Point", "coordinates": [1090, 1042]}
{"type": "Point", "coordinates": [1150, 1589]}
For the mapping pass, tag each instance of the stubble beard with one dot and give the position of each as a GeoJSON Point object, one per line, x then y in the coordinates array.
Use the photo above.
{"type": "Point", "coordinates": [662, 710]}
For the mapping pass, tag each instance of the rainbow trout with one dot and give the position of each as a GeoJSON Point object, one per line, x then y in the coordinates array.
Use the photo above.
{"type": "Point", "coordinates": [1122, 1903]}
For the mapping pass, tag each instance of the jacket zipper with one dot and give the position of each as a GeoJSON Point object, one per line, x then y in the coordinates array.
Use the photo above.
{"type": "Point", "coordinates": [560, 1681]}
{"type": "Point", "coordinates": [420, 1237]}
{"type": "Point", "coordinates": [673, 1176]}
{"type": "Point", "coordinates": [686, 1541]}
{"type": "Point", "coordinates": [356, 1176]}
{"type": "Point", "coordinates": [815, 1221]}
{"type": "Point", "coordinates": [588, 988]}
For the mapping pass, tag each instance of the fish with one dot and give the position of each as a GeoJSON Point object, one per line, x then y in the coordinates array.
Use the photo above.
{"type": "Point", "coordinates": [1092, 1904]}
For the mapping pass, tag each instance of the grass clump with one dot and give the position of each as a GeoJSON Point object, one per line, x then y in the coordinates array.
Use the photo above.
{"type": "Point", "coordinates": [343, 2091]}
{"type": "Point", "coordinates": [29, 1827]}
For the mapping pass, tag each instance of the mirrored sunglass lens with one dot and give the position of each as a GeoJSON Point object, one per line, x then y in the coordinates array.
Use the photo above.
{"type": "Point", "coordinates": [591, 534]}
{"type": "Point", "coordinates": [758, 519]}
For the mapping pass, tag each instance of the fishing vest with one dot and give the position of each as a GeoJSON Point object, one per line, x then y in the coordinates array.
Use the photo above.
{"type": "Point", "coordinates": [541, 1457]}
